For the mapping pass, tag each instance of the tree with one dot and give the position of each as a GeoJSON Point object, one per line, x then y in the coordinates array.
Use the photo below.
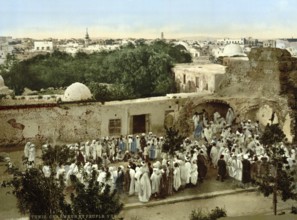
{"type": "Point", "coordinates": [137, 71]}
{"type": "Point", "coordinates": [90, 200]}
{"type": "Point", "coordinates": [40, 195]}
{"type": "Point", "coordinates": [272, 135]}
{"type": "Point", "coordinates": [279, 178]}
{"type": "Point", "coordinates": [173, 142]}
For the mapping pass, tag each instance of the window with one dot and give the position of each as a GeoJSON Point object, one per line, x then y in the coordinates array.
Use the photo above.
{"type": "Point", "coordinates": [47, 48]}
{"type": "Point", "coordinates": [37, 48]}
{"type": "Point", "coordinates": [42, 48]}
{"type": "Point", "coordinates": [114, 127]}
{"type": "Point", "coordinates": [184, 79]}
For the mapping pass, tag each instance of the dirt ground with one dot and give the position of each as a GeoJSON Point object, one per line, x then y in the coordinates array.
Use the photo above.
{"type": "Point", "coordinates": [243, 204]}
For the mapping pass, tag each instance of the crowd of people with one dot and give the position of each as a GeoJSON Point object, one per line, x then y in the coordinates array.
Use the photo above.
{"type": "Point", "coordinates": [232, 147]}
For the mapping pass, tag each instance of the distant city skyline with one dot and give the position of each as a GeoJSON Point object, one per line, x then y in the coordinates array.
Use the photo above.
{"type": "Point", "coordinates": [148, 18]}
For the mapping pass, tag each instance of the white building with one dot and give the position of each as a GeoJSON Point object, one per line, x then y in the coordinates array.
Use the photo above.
{"type": "Point", "coordinates": [225, 41]}
{"type": "Point", "coordinates": [46, 46]}
{"type": "Point", "coordinates": [198, 78]}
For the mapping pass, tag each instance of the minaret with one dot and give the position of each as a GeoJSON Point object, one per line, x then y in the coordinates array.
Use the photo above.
{"type": "Point", "coordinates": [87, 38]}
{"type": "Point", "coordinates": [162, 36]}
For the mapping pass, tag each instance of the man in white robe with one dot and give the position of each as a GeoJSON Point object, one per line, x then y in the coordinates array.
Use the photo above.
{"type": "Point", "coordinates": [155, 179]}
{"type": "Point", "coordinates": [194, 173]}
{"type": "Point", "coordinates": [87, 150]}
{"type": "Point", "coordinates": [73, 170]}
{"type": "Point", "coordinates": [188, 170]}
{"type": "Point", "coordinates": [46, 171]}
{"type": "Point", "coordinates": [93, 150]}
{"type": "Point", "coordinates": [102, 177]}
{"type": "Point", "coordinates": [183, 173]}
{"type": "Point", "coordinates": [32, 154]}
{"type": "Point", "coordinates": [176, 177]}
{"type": "Point", "coordinates": [99, 149]}
{"type": "Point", "coordinates": [238, 168]}
{"type": "Point", "coordinates": [26, 149]}
{"type": "Point", "coordinates": [60, 171]}
{"type": "Point", "coordinates": [230, 116]}
{"type": "Point", "coordinates": [145, 190]}
{"type": "Point", "coordinates": [132, 181]}
{"type": "Point", "coordinates": [214, 154]}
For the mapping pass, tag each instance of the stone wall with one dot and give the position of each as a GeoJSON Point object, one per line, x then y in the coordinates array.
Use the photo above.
{"type": "Point", "coordinates": [271, 75]}
{"type": "Point", "coordinates": [68, 123]}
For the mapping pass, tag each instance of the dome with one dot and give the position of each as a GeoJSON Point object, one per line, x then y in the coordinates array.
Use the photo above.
{"type": "Point", "coordinates": [77, 92]}
{"type": "Point", "coordinates": [232, 50]}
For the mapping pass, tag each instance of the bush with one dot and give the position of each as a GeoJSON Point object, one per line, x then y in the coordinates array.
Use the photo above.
{"type": "Point", "coordinates": [214, 214]}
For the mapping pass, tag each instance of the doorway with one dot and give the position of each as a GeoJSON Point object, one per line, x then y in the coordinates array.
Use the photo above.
{"type": "Point", "coordinates": [139, 123]}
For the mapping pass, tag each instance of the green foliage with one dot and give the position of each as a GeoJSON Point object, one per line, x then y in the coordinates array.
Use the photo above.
{"type": "Point", "coordinates": [173, 141]}
{"type": "Point", "coordinates": [89, 200]}
{"type": "Point", "coordinates": [272, 134]}
{"type": "Point", "coordinates": [136, 71]}
{"type": "Point", "coordinates": [56, 155]}
{"type": "Point", "coordinates": [278, 179]}
{"type": "Point", "coordinates": [184, 122]}
{"type": "Point", "coordinates": [40, 195]}
{"type": "Point", "coordinates": [214, 214]}
{"type": "Point", "coordinates": [278, 175]}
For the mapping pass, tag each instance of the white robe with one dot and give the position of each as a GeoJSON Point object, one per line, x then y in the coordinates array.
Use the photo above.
{"type": "Point", "coordinates": [60, 171]}
{"type": "Point", "coordinates": [145, 190]}
{"type": "Point", "coordinates": [87, 151]}
{"type": "Point", "coordinates": [99, 150]}
{"type": "Point", "coordinates": [102, 177]}
{"type": "Point", "coordinates": [73, 170]}
{"type": "Point", "coordinates": [132, 182]}
{"type": "Point", "coordinates": [155, 182]}
{"type": "Point", "coordinates": [238, 170]}
{"type": "Point", "coordinates": [214, 154]}
{"type": "Point", "coordinates": [207, 134]}
{"type": "Point", "coordinates": [176, 178]}
{"type": "Point", "coordinates": [26, 149]}
{"type": "Point", "coordinates": [188, 171]}
{"type": "Point", "coordinates": [93, 150]}
{"type": "Point", "coordinates": [194, 174]}
{"type": "Point", "coordinates": [183, 173]}
{"type": "Point", "coordinates": [46, 171]}
{"type": "Point", "coordinates": [32, 155]}
{"type": "Point", "coordinates": [229, 117]}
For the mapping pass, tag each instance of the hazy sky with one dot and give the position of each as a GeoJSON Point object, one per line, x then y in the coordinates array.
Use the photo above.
{"type": "Point", "coordinates": [148, 18]}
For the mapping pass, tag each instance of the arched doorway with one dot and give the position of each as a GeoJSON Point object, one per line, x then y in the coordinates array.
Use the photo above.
{"type": "Point", "coordinates": [212, 106]}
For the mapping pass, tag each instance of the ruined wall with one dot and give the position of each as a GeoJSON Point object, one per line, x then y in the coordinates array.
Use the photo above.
{"type": "Point", "coordinates": [68, 123]}
{"type": "Point", "coordinates": [271, 75]}
{"type": "Point", "coordinates": [64, 123]}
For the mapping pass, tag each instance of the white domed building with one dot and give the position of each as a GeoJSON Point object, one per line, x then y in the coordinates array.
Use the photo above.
{"type": "Point", "coordinates": [77, 92]}
{"type": "Point", "coordinates": [4, 90]}
{"type": "Point", "coordinates": [233, 50]}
